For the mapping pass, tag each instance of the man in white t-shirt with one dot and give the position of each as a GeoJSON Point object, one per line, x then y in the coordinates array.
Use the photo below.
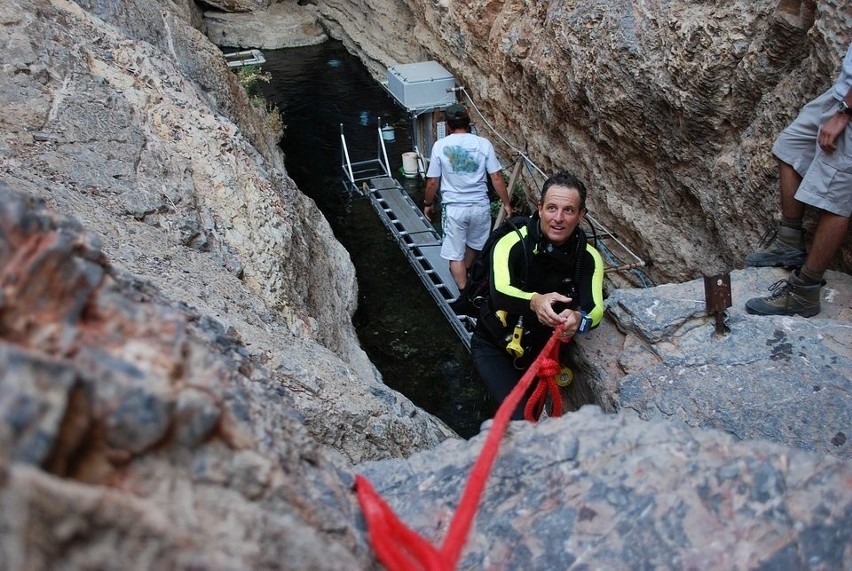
{"type": "Point", "coordinates": [459, 163]}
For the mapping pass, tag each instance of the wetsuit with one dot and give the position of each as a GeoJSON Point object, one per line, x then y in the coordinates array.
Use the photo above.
{"type": "Point", "coordinates": [521, 266]}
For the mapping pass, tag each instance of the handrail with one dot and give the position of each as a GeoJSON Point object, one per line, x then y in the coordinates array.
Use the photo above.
{"type": "Point", "coordinates": [346, 155]}
{"type": "Point", "coordinates": [421, 164]}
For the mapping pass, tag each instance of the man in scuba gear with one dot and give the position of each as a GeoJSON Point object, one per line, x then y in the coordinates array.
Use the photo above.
{"type": "Point", "coordinates": [542, 276]}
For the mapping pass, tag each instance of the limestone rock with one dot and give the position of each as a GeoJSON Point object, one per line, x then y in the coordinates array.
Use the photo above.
{"type": "Point", "coordinates": [129, 120]}
{"type": "Point", "coordinates": [380, 33]}
{"type": "Point", "coordinates": [785, 379]}
{"type": "Point", "coordinates": [282, 25]}
{"type": "Point", "coordinates": [603, 492]}
{"type": "Point", "coordinates": [240, 5]}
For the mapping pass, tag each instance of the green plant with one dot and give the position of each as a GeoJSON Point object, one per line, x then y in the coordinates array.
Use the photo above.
{"type": "Point", "coordinates": [270, 114]}
{"type": "Point", "coordinates": [250, 77]}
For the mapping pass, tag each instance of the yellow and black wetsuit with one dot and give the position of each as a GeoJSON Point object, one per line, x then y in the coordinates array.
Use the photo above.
{"type": "Point", "coordinates": [522, 265]}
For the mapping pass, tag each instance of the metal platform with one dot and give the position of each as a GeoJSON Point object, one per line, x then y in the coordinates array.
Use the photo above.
{"type": "Point", "coordinates": [413, 232]}
{"type": "Point", "coordinates": [244, 58]}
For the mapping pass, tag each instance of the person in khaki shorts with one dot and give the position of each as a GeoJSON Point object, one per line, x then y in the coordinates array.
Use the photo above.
{"type": "Point", "coordinates": [815, 161]}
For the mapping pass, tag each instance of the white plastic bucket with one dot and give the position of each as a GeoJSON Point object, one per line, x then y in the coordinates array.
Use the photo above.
{"type": "Point", "coordinates": [409, 164]}
{"type": "Point", "coordinates": [388, 134]}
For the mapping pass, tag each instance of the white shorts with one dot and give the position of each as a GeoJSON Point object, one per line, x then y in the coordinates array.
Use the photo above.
{"type": "Point", "coordinates": [464, 226]}
{"type": "Point", "coordinates": [826, 177]}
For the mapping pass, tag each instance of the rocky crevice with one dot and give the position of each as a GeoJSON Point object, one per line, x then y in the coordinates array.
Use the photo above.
{"type": "Point", "coordinates": [165, 404]}
{"type": "Point", "coordinates": [668, 111]}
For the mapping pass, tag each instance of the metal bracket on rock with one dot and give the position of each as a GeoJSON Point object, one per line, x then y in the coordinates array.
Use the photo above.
{"type": "Point", "coordinates": [717, 297]}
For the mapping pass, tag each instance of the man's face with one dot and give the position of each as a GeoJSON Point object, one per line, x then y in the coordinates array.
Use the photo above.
{"type": "Point", "coordinates": [560, 213]}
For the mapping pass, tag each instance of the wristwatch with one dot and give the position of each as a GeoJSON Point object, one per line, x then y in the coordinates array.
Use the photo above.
{"type": "Point", "coordinates": [843, 108]}
{"type": "Point", "coordinates": [585, 323]}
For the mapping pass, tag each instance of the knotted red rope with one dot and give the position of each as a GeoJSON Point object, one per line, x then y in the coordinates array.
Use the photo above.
{"type": "Point", "coordinates": [547, 374]}
{"type": "Point", "coordinates": [400, 548]}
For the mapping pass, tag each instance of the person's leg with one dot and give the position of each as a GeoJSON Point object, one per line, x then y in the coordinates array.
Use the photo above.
{"type": "Point", "coordinates": [789, 180]}
{"type": "Point", "coordinates": [786, 245]}
{"type": "Point", "coordinates": [478, 232]}
{"type": "Point", "coordinates": [826, 185]}
{"type": "Point", "coordinates": [795, 149]}
{"type": "Point", "coordinates": [469, 256]}
{"type": "Point", "coordinates": [458, 268]}
{"type": "Point", "coordinates": [477, 227]}
{"type": "Point", "coordinates": [453, 243]}
{"type": "Point", "coordinates": [829, 236]}
{"type": "Point", "coordinates": [494, 366]}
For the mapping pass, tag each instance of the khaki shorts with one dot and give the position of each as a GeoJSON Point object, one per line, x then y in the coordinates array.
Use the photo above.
{"type": "Point", "coordinates": [826, 177]}
{"type": "Point", "coordinates": [465, 226]}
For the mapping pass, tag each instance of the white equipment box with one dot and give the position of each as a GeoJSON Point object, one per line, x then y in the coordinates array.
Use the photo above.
{"type": "Point", "coordinates": [421, 85]}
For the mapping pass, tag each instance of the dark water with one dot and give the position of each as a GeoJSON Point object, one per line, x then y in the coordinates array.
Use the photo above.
{"type": "Point", "coordinates": [316, 89]}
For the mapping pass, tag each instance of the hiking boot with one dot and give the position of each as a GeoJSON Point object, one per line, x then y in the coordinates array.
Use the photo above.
{"type": "Point", "coordinates": [780, 246]}
{"type": "Point", "coordinates": [788, 297]}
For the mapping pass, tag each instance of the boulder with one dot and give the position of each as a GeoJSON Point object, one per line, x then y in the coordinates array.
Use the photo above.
{"type": "Point", "coordinates": [601, 491]}
{"type": "Point", "coordinates": [282, 25]}
{"type": "Point", "coordinates": [784, 379]}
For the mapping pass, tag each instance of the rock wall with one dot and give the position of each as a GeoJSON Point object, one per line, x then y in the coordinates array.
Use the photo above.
{"type": "Point", "coordinates": [281, 25]}
{"type": "Point", "coordinates": [667, 109]}
{"type": "Point", "coordinates": [129, 120]}
{"type": "Point", "coordinates": [136, 433]}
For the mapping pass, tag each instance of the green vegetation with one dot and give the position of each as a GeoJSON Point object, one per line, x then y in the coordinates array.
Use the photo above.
{"type": "Point", "coordinates": [250, 77]}
{"type": "Point", "coordinates": [519, 203]}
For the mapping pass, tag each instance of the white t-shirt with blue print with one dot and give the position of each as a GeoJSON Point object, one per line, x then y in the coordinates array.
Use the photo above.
{"type": "Point", "coordinates": [462, 161]}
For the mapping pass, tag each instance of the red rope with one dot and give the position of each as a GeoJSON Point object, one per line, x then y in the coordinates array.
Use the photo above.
{"type": "Point", "coordinates": [400, 548]}
{"type": "Point", "coordinates": [397, 546]}
{"type": "Point", "coordinates": [547, 374]}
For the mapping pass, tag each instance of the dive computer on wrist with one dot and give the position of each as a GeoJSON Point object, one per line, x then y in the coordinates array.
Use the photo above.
{"type": "Point", "coordinates": [585, 323]}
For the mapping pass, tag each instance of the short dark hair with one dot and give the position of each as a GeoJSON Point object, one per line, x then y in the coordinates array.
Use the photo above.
{"type": "Point", "coordinates": [568, 180]}
{"type": "Point", "coordinates": [459, 123]}
{"type": "Point", "coordinates": [457, 117]}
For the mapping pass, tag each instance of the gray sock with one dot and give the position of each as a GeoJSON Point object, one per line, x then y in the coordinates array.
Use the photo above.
{"type": "Point", "coordinates": [795, 223]}
{"type": "Point", "coordinates": [809, 276]}
{"type": "Point", "coordinates": [791, 236]}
